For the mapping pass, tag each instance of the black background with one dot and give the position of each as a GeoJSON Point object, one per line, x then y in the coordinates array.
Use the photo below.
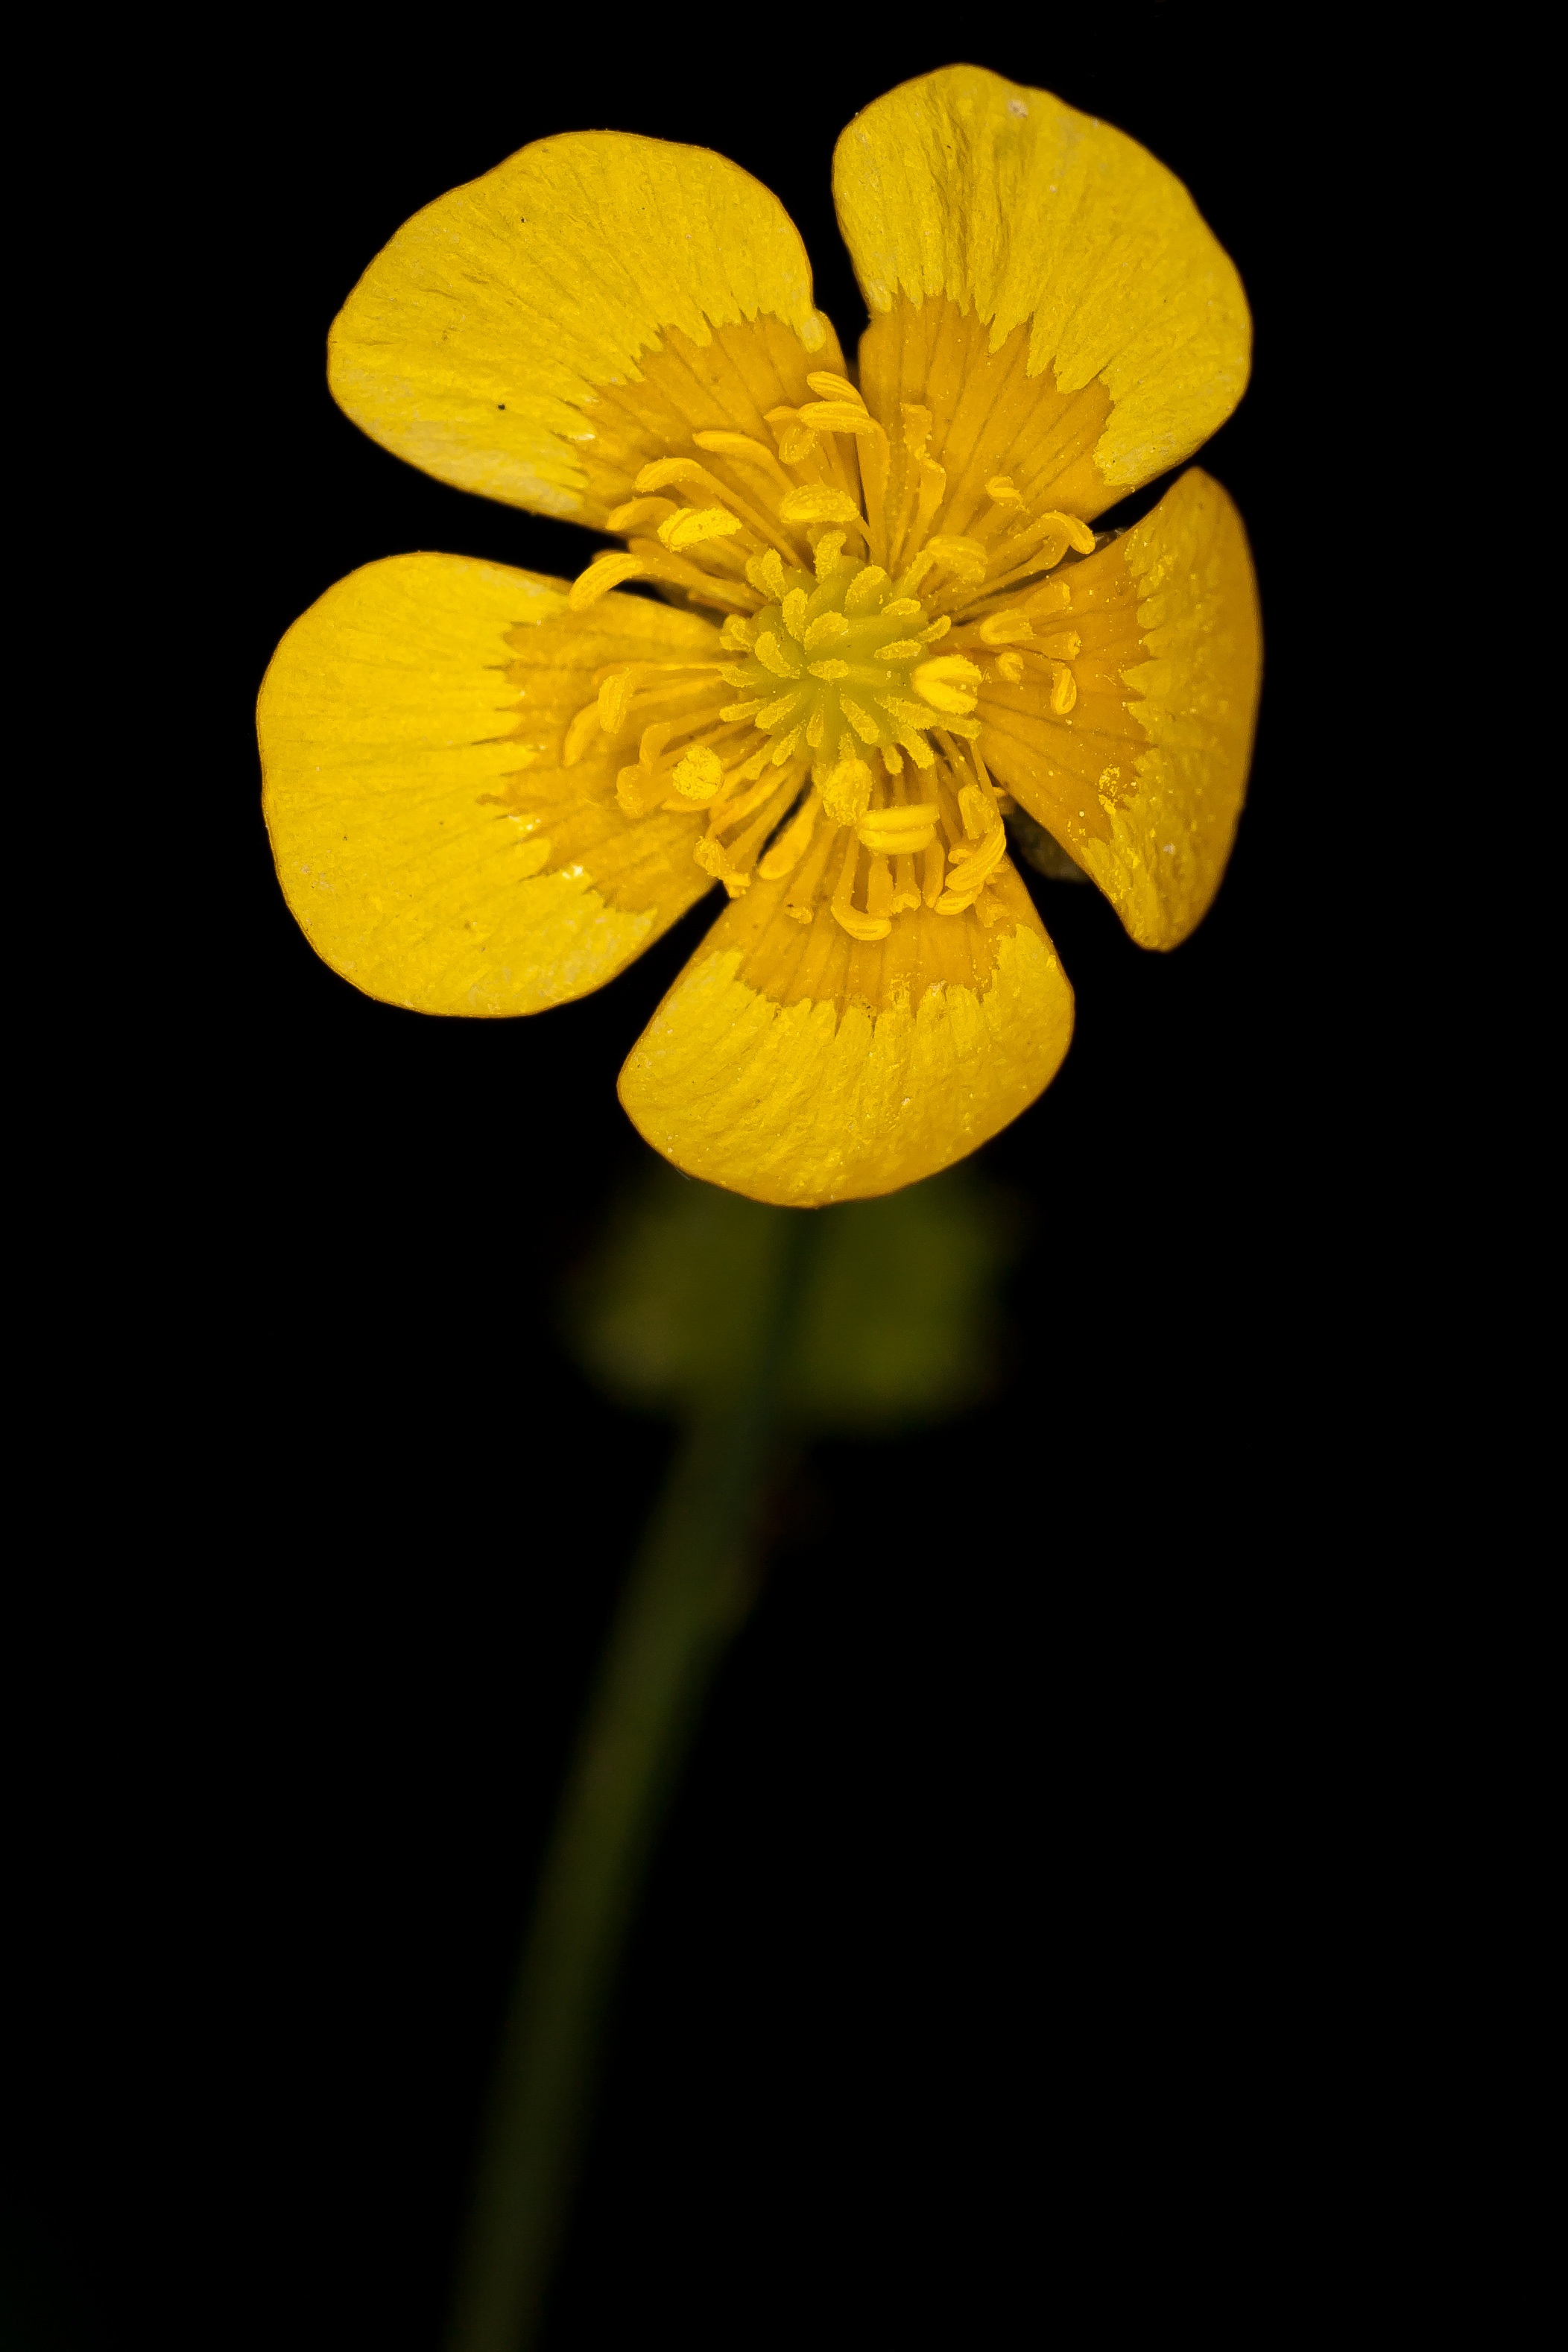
{"type": "Point", "coordinates": [987, 1991]}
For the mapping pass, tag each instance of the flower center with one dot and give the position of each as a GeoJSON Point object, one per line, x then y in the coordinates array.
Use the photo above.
{"type": "Point", "coordinates": [839, 666]}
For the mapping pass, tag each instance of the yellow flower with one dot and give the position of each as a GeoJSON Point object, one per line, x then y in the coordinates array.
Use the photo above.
{"type": "Point", "coordinates": [886, 620]}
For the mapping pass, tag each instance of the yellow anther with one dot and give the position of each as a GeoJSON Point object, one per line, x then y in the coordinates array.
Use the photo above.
{"type": "Point", "coordinates": [614, 698]}
{"type": "Point", "coordinates": [797, 441]}
{"type": "Point", "coordinates": [964, 558]}
{"type": "Point", "coordinates": [965, 880]}
{"type": "Point", "coordinates": [745, 452]}
{"type": "Point", "coordinates": [661, 471]}
{"type": "Point", "coordinates": [830, 669]}
{"type": "Point", "coordinates": [846, 791]}
{"type": "Point", "coordinates": [652, 742]}
{"type": "Point", "coordinates": [737, 634]}
{"type": "Point", "coordinates": [766, 575]}
{"type": "Point", "coordinates": [637, 513]}
{"type": "Point", "coordinates": [1010, 669]}
{"type": "Point", "coordinates": [637, 791]}
{"type": "Point", "coordinates": [829, 386]}
{"type": "Point", "coordinates": [794, 610]}
{"type": "Point", "coordinates": [858, 926]}
{"type": "Point", "coordinates": [837, 416]}
{"type": "Point", "coordinates": [1007, 629]}
{"type": "Point", "coordinates": [826, 629]}
{"type": "Point", "coordinates": [1063, 693]}
{"type": "Point", "coordinates": [899, 831]}
{"type": "Point", "coordinates": [817, 503]}
{"type": "Point", "coordinates": [792, 843]}
{"type": "Point", "coordinates": [903, 649]}
{"type": "Point", "coordinates": [579, 735]}
{"type": "Point", "coordinates": [691, 526]}
{"type": "Point", "coordinates": [947, 683]}
{"type": "Point", "coordinates": [1001, 492]}
{"type": "Point", "coordinates": [906, 891]}
{"type": "Point", "coordinates": [826, 556]}
{"type": "Point", "coordinates": [978, 813]}
{"type": "Point", "coordinates": [606, 571]}
{"type": "Point", "coordinates": [699, 775]}
{"type": "Point", "coordinates": [892, 760]}
{"type": "Point", "coordinates": [902, 608]}
{"type": "Point", "coordinates": [933, 489]}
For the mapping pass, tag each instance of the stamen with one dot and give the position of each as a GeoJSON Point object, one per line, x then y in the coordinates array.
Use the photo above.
{"type": "Point", "coordinates": [899, 831]}
{"type": "Point", "coordinates": [691, 527]}
{"type": "Point", "coordinates": [579, 735]}
{"type": "Point", "coordinates": [699, 775]}
{"type": "Point", "coordinates": [1007, 629]}
{"type": "Point", "coordinates": [818, 502]}
{"type": "Point", "coordinates": [639, 511]}
{"type": "Point", "coordinates": [797, 441]}
{"type": "Point", "coordinates": [793, 841]}
{"type": "Point", "coordinates": [839, 416]}
{"type": "Point", "coordinates": [829, 386]}
{"type": "Point", "coordinates": [906, 889]}
{"type": "Point", "coordinates": [947, 683]}
{"type": "Point", "coordinates": [969, 876]}
{"type": "Point", "coordinates": [858, 926]}
{"type": "Point", "coordinates": [845, 789]}
{"type": "Point", "coordinates": [744, 451]}
{"type": "Point", "coordinates": [801, 903]}
{"type": "Point", "coordinates": [606, 571]}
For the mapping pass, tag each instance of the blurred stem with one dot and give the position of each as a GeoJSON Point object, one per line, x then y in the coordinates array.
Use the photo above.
{"type": "Point", "coordinates": [690, 1590]}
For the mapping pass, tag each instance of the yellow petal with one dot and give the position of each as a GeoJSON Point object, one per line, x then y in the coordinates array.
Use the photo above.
{"type": "Point", "coordinates": [540, 334]}
{"type": "Point", "coordinates": [1144, 778]}
{"type": "Point", "coordinates": [427, 841]}
{"type": "Point", "coordinates": [986, 206]}
{"type": "Point", "coordinates": [808, 1067]}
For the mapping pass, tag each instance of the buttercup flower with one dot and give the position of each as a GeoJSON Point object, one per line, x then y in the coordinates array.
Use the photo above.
{"type": "Point", "coordinates": [886, 620]}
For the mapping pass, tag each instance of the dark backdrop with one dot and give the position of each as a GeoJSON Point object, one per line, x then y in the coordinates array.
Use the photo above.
{"type": "Point", "coordinates": [986, 1989]}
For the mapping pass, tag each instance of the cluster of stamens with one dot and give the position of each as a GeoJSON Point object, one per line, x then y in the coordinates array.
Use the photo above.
{"type": "Point", "coordinates": [835, 747]}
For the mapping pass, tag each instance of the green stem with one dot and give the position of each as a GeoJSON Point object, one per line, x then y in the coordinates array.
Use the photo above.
{"type": "Point", "coordinates": [689, 1592]}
